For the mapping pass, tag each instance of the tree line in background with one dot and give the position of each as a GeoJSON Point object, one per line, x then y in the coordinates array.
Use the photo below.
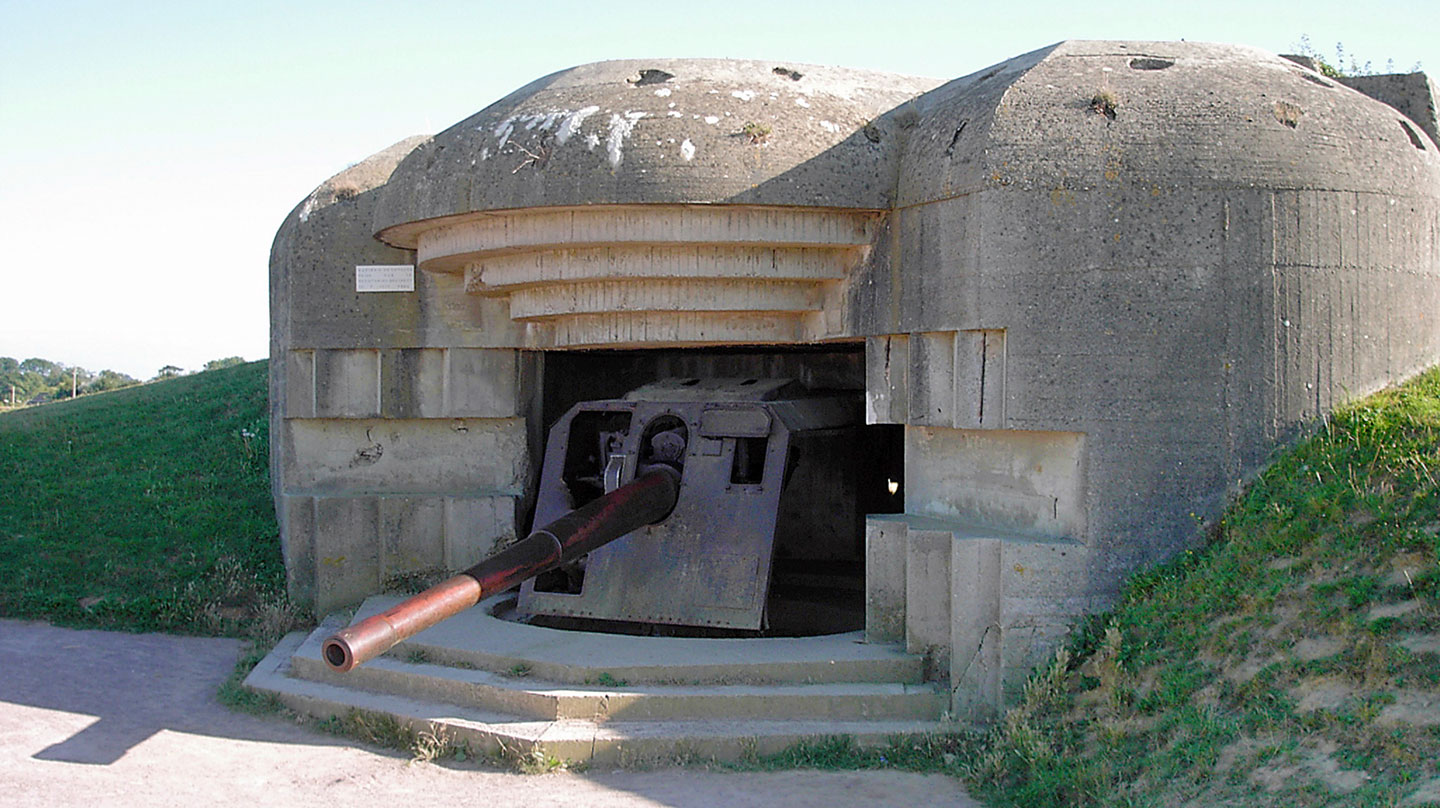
{"type": "Point", "coordinates": [36, 380]}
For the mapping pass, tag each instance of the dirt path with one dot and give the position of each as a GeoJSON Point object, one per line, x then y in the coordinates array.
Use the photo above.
{"type": "Point", "coordinates": [93, 718]}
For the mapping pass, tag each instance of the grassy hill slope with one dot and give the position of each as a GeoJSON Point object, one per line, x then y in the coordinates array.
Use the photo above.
{"type": "Point", "coordinates": [143, 509]}
{"type": "Point", "coordinates": [1294, 661]}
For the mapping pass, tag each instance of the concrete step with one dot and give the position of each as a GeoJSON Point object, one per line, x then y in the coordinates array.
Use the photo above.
{"type": "Point", "coordinates": [613, 700]}
{"type": "Point", "coordinates": [506, 273]}
{"type": "Point", "coordinates": [665, 295]}
{"type": "Point", "coordinates": [476, 639]}
{"type": "Point", "coordinates": [611, 741]}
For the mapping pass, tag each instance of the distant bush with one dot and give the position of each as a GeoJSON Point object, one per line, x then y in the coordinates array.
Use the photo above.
{"type": "Point", "coordinates": [40, 380]}
{"type": "Point", "coordinates": [224, 362]}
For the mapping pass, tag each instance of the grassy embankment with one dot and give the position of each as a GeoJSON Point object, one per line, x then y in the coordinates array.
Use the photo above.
{"type": "Point", "coordinates": [1295, 659]}
{"type": "Point", "coordinates": [145, 509]}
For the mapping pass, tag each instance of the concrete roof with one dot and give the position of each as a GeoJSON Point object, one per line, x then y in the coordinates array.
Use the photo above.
{"type": "Point", "coordinates": [357, 178]}
{"type": "Point", "coordinates": [1182, 114]}
{"type": "Point", "coordinates": [662, 131]}
{"type": "Point", "coordinates": [707, 130]}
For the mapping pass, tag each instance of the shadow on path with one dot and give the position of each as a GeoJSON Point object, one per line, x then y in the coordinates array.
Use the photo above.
{"type": "Point", "coordinates": [133, 684]}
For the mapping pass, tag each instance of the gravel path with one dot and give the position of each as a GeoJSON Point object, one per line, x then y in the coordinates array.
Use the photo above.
{"type": "Point", "coordinates": [91, 718]}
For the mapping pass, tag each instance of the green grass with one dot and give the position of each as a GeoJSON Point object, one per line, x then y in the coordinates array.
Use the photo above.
{"type": "Point", "coordinates": [937, 753]}
{"type": "Point", "coordinates": [1194, 689]}
{"type": "Point", "coordinates": [430, 744]}
{"type": "Point", "coordinates": [145, 509]}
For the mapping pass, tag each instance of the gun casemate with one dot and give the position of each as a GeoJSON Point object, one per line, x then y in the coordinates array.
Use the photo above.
{"type": "Point", "coordinates": [667, 507]}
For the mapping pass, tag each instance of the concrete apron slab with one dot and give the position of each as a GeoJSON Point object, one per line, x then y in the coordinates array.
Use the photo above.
{"type": "Point", "coordinates": [646, 700]}
{"type": "Point", "coordinates": [477, 639]}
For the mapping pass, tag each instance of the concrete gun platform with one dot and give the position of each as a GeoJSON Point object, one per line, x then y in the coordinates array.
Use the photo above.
{"type": "Point", "coordinates": [618, 699]}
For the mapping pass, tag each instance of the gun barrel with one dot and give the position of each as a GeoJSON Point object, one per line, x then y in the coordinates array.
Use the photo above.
{"type": "Point", "coordinates": [646, 500]}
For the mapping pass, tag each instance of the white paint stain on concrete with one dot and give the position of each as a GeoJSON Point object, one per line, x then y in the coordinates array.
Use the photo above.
{"type": "Point", "coordinates": [529, 121]}
{"type": "Point", "coordinates": [674, 114]}
{"type": "Point", "coordinates": [620, 129]}
{"type": "Point", "coordinates": [687, 150]}
{"type": "Point", "coordinates": [801, 102]}
{"type": "Point", "coordinates": [743, 95]}
{"type": "Point", "coordinates": [829, 127]}
{"type": "Point", "coordinates": [663, 92]}
{"type": "Point", "coordinates": [571, 123]}
{"type": "Point", "coordinates": [503, 130]}
{"type": "Point", "coordinates": [591, 141]}
{"type": "Point", "coordinates": [548, 120]}
{"type": "Point", "coordinates": [484, 153]}
{"type": "Point", "coordinates": [712, 120]}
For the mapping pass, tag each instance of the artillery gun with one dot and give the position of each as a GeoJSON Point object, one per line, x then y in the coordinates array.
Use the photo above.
{"type": "Point", "coordinates": [667, 506]}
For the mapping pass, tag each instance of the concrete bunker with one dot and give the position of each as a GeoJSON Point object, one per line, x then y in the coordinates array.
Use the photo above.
{"type": "Point", "coordinates": [1070, 330]}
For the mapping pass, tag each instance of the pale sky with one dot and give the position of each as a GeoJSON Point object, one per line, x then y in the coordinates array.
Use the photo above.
{"type": "Point", "coordinates": [149, 151]}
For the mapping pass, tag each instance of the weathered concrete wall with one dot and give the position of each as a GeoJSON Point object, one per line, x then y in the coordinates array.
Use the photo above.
{"type": "Point", "coordinates": [1412, 94]}
{"type": "Point", "coordinates": [1097, 284]}
{"type": "Point", "coordinates": [1030, 482]}
{"type": "Point", "coordinates": [399, 437]}
{"type": "Point", "coordinates": [1239, 247]}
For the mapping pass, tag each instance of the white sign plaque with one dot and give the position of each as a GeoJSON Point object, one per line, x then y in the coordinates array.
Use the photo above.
{"type": "Point", "coordinates": [384, 278]}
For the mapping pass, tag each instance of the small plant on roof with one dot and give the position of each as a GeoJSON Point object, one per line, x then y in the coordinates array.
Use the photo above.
{"type": "Point", "coordinates": [1104, 103]}
{"type": "Point", "coordinates": [757, 133]}
{"type": "Point", "coordinates": [1343, 64]}
{"type": "Point", "coordinates": [536, 159]}
{"type": "Point", "coordinates": [609, 681]}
